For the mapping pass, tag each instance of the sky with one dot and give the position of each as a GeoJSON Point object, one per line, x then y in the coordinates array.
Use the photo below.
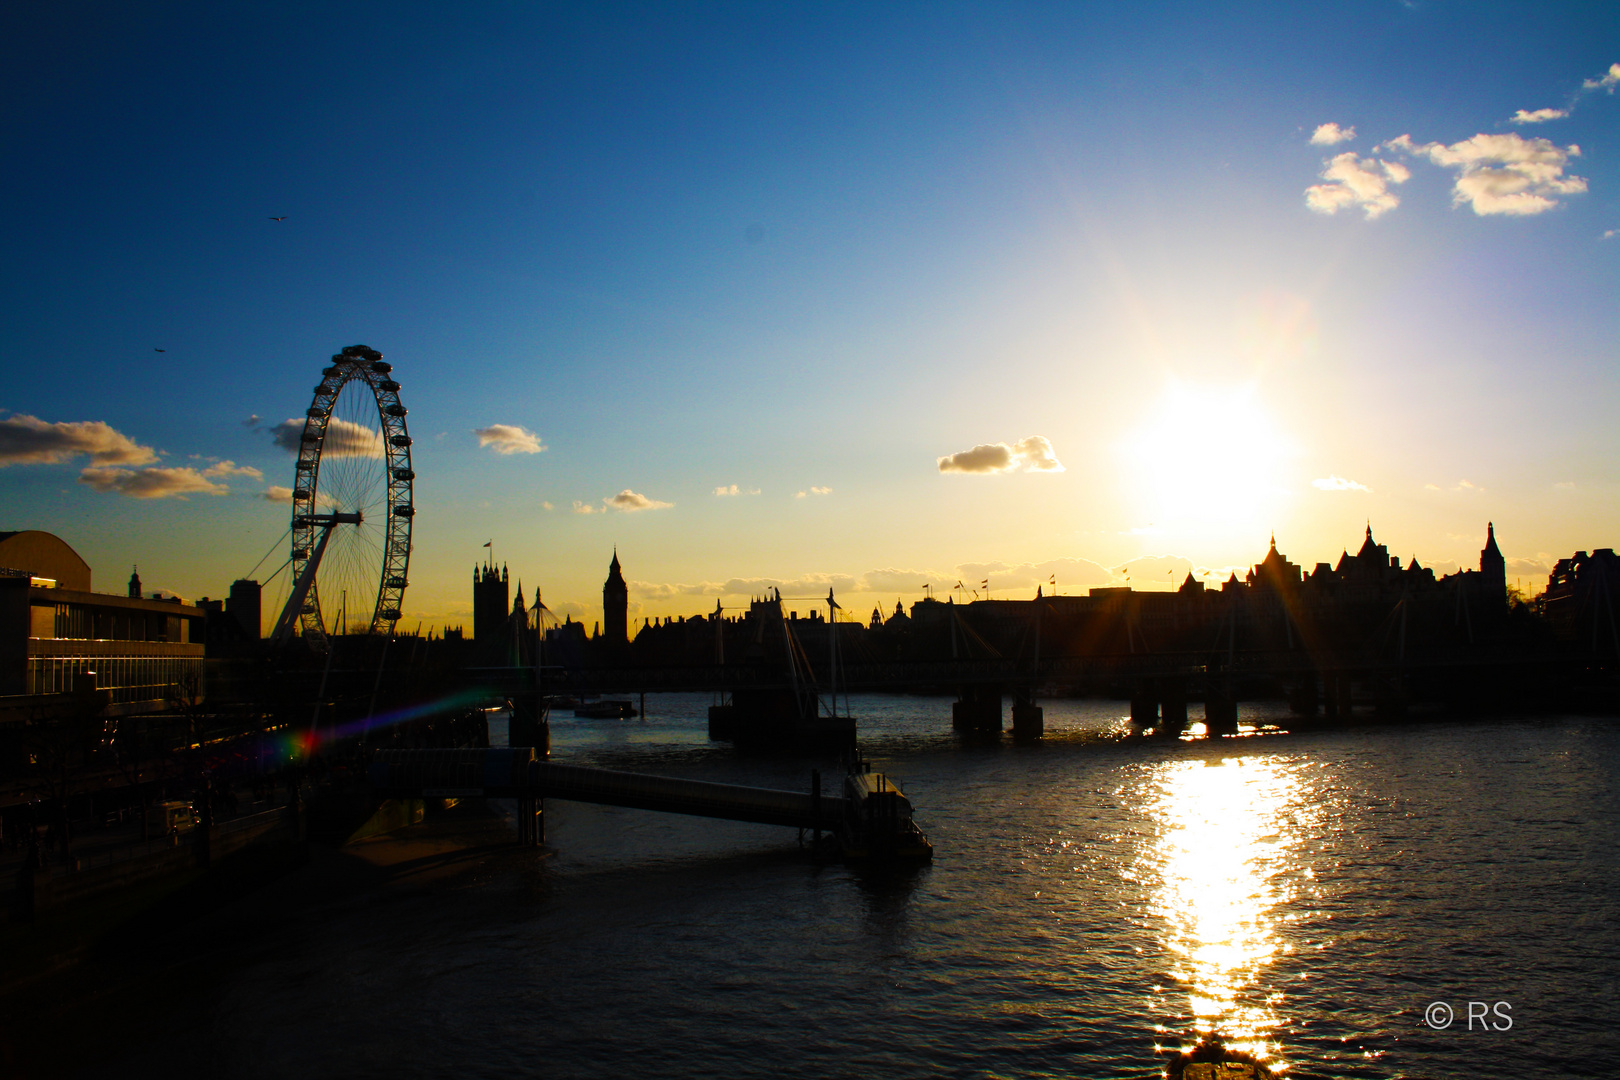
{"type": "Point", "coordinates": [810, 296]}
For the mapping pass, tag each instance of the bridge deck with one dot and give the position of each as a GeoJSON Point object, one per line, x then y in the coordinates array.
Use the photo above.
{"type": "Point", "coordinates": [513, 772]}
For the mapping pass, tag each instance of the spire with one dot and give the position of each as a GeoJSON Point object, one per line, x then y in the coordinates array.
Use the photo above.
{"type": "Point", "coordinates": [614, 565]}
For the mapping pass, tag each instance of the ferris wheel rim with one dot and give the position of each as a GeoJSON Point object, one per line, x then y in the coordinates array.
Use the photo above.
{"type": "Point", "coordinates": [356, 364]}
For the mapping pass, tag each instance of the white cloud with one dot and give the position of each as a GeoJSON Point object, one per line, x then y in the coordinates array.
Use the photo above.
{"type": "Point", "coordinates": [812, 491]}
{"type": "Point", "coordinates": [1538, 116]}
{"type": "Point", "coordinates": [1357, 182]}
{"type": "Point", "coordinates": [733, 489]}
{"type": "Point", "coordinates": [632, 500]}
{"type": "Point", "coordinates": [1564, 485]}
{"type": "Point", "coordinates": [1502, 174]}
{"type": "Point", "coordinates": [1609, 234]}
{"type": "Point", "coordinates": [1329, 134]}
{"type": "Point", "coordinates": [253, 421]}
{"type": "Point", "coordinates": [1338, 483]}
{"type": "Point", "coordinates": [547, 506]}
{"type": "Point", "coordinates": [28, 440]}
{"type": "Point", "coordinates": [223, 469]}
{"type": "Point", "coordinates": [152, 483]}
{"type": "Point", "coordinates": [509, 439]}
{"type": "Point", "coordinates": [1607, 81]}
{"type": "Point", "coordinates": [276, 494]}
{"type": "Point", "coordinates": [585, 508]}
{"type": "Point", "coordinates": [1033, 454]}
{"type": "Point", "coordinates": [344, 438]}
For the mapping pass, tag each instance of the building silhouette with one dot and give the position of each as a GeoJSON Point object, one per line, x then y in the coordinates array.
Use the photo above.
{"type": "Point", "coordinates": [615, 607]}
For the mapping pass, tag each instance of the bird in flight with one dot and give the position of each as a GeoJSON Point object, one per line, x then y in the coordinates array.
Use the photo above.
{"type": "Point", "coordinates": [160, 350]}
{"type": "Point", "coordinates": [282, 218]}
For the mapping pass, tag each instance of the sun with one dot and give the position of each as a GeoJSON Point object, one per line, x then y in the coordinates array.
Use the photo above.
{"type": "Point", "coordinates": [1206, 461]}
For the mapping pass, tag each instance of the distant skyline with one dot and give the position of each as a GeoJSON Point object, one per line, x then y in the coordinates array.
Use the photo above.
{"type": "Point", "coordinates": [820, 295]}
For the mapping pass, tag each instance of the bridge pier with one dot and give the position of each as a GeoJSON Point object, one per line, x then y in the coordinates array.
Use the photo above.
{"type": "Point", "coordinates": [1220, 712]}
{"type": "Point", "coordinates": [1028, 718]}
{"type": "Point", "coordinates": [1172, 708]}
{"type": "Point", "coordinates": [1306, 698]}
{"type": "Point", "coordinates": [977, 709]}
{"type": "Point", "coordinates": [530, 723]}
{"type": "Point", "coordinates": [1144, 709]}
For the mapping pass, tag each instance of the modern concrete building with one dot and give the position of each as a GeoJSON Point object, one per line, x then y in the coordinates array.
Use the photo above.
{"type": "Point", "coordinates": [60, 640]}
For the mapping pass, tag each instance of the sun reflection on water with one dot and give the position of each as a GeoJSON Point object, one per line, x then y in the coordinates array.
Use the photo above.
{"type": "Point", "coordinates": [1227, 857]}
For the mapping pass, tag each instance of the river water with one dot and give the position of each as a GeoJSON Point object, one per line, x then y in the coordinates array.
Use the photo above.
{"type": "Point", "coordinates": [1094, 898]}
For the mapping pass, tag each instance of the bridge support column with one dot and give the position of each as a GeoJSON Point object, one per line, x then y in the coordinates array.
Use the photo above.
{"type": "Point", "coordinates": [978, 710]}
{"type": "Point", "coordinates": [1028, 718]}
{"type": "Point", "coordinates": [1305, 700]}
{"type": "Point", "coordinates": [530, 724]}
{"type": "Point", "coordinates": [1172, 709]}
{"type": "Point", "coordinates": [1220, 712]}
{"type": "Point", "coordinates": [1144, 710]}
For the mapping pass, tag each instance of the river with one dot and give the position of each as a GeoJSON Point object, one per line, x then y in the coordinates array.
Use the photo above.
{"type": "Point", "coordinates": [1094, 897]}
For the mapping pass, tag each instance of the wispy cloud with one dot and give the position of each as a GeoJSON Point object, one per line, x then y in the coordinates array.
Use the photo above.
{"type": "Point", "coordinates": [633, 500]}
{"type": "Point", "coordinates": [1033, 454]}
{"type": "Point", "coordinates": [812, 491]}
{"type": "Point", "coordinates": [1331, 134]}
{"type": "Point", "coordinates": [152, 483]}
{"type": "Point", "coordinates": [223, 469]}
{"type": "Point", "coordinates": [1354, 182]}
{"type": "Point", "coordinates": [1607, 81]}
{"type": "Point", "coordinates": [1538, 116]}
{"type": "Point", "coordinates": [28, 440]}
{"type": "Point", "coordinates": [344, 438]}
{"type": "Point", "coordinates": [1338, 483]}
{"type": "Point", "coordinates": [733, 489]}
{"type": "Point", "coordinates": [509, 439]}
{"type": "Point", "coordinates": [586, 508]}
{"type": "Point", "coordinates": [1501, 174]}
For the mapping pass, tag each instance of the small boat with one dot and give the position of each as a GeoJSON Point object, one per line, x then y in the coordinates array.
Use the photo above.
{"type": "Point", "coordinates": [606, 709]}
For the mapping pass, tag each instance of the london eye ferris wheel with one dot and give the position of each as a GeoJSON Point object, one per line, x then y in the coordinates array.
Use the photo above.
{"type": "Point", "coordinates": [352, 504]}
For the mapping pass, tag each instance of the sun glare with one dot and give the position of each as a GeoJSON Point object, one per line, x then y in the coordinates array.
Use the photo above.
{"type": "Point", "coordinates": [1206, 459]}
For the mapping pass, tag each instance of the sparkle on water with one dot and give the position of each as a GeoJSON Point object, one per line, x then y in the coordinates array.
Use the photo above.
{"type": "Point", "coordinates": [1227, 857]}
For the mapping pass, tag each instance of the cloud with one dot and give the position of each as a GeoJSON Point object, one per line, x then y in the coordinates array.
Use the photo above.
{"type": "Point", "coordinates": [1357, 182]}
{"type": "Point", "coordinates": [152, 483]}
{"type": "Point", "coordinates": [1538, 116]}
{"type": "Point", "coordinates": [276, 494]}
{"type": "Point", "coordinates": [223, 469]}
{"type": "Point", "coordinates": [1329, 134]}
{"type": "Point", "coordinates": [585, 508]}
{"type": "Point", "coordinates": [253, 421]}
{"type": "Point", "coordinates": [28, 440]}
{"type": "Point", "coordinates": [547, 506]}
{"type": "Point", "coordinates": [813, 491]}
{"type": "Point", "coordinates": [1564, 485]}
{"type": "Point", "coordinates": [733, 489]}
{"type": "Point", "coordinates": [1338, 483]}
{"type": "Point", "coordinates": [633, 500]}
{"type": "Point", "coordinates": [1607, 81]}
{"type": "Point", "coordinates": [1609, 234]}
{"type": "Point", "coordinates": [344, 438]}
{"type": "Point", "coordinates": [1539, 566]}
{"type": "Point", "coordinates": [509, 439]}
{"type": "Point", "coordinates": [1502, 174]}
{"type": "Point", "coordinates": [1033, 454]}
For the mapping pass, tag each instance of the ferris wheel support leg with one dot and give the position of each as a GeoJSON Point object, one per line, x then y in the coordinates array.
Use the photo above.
{"type": "Point", "coordinates": [300, 590]}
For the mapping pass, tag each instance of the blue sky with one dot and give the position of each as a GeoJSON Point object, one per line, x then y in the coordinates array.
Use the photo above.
{"type": "Point", "coordinates": [816, 249]}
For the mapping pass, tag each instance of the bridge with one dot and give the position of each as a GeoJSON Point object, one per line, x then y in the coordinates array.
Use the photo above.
{"type": "Point", "coordinates": [873, 817]}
